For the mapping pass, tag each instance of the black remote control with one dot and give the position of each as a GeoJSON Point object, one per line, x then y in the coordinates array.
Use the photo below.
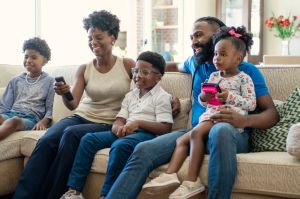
{"type": "Point", "coordinates": [68, 95]}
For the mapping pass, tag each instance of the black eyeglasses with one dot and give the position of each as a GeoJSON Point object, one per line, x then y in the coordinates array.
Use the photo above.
{"type": "Point", "coordinates": [142, 72]}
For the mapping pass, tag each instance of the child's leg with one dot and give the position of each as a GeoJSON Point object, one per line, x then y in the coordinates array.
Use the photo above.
{"type": "Point", "coordinates": [198, 137]}
{"type": "Point", "coordinates": [10, 126]}
{"type": "Point", "coordinates": [180, 153]}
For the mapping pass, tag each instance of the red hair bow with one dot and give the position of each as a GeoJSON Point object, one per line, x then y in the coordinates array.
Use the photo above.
{"type": "Point", "coordinates": [233, 33]}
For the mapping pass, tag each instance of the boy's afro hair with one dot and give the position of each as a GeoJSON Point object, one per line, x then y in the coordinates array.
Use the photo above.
{"type": "Point", "coordinates": [39, 45]}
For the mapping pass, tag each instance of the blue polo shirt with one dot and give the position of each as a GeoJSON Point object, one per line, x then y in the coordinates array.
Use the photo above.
{"type": "Point", "coordinates": [202, 73]}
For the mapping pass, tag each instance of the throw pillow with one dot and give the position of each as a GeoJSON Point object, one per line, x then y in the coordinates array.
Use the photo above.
{"type": "Point", "coordinates": [293, 141]}
{"type": "Point", "coordinates": [274, 139]}
{"type": "Point", "coordinates": [181, 120]}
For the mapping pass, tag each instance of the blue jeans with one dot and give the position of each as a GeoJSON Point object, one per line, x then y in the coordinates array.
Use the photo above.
{"type": "Point", "coordinates": [119, 153]}
{"type": "Point", "coordinates": [224, 142]}
{"type": "Point", "coordinates": [46, 173]}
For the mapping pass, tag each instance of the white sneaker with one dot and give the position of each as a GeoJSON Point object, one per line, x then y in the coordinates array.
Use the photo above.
{"type": "Point", "coordinates": [71, 194]}
{"type": "Point", "coordinates": [162, 182]}
{"type": "Point", "coordinates": [187, 189]}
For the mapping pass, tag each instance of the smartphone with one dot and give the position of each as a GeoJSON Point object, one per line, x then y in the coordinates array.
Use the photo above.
{"type": "Point", "coordinates": [213, 89]}
{"type": "Point", "coordinates": [68, 95]}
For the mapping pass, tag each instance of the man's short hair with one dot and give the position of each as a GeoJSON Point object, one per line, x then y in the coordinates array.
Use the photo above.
{"type": "Point", "coordinates": [211, 20]}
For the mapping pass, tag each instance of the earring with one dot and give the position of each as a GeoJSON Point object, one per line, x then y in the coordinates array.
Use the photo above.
{"type": "Point", "coordinates": [112, 43]}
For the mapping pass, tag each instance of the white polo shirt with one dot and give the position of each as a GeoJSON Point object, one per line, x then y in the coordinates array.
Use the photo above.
{"type": "Point", "coordinates": [154, 106]}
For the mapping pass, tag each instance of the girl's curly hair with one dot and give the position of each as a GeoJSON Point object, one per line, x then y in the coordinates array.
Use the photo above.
{"type": "Point", "coordinates": [103, 20]}
{"type": "Point", "coordinates": [39, 45]}
{"type": "Point", "coordinates": [240, 38]}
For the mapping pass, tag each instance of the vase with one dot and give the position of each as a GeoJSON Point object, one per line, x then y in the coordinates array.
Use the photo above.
{"type": "Point", "coordinates": [285, 47]}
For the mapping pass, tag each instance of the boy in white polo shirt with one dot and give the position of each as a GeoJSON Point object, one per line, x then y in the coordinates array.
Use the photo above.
{"type": "Point", "coordinates": [145, 113]}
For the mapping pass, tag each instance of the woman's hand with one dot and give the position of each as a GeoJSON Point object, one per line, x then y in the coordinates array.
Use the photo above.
{"type": "Point", "coordinates": [61, 88]}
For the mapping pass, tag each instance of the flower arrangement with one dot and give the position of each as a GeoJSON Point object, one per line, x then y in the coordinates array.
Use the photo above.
{"type": "Point", "coordinates": [285, 27]}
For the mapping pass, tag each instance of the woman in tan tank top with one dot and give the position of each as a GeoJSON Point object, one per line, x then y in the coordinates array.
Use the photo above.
{"type": "Point", "coordinates": [105, 80]}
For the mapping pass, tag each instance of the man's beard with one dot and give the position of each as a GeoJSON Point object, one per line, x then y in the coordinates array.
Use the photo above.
{"type": "Point", "coordinates": [206, 54]}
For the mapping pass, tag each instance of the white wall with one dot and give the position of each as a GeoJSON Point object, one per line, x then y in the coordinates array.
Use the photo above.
{"type": "Point", "coordinates": [194, 9]}
{"type": "Point", "coordinates": [272, 45]}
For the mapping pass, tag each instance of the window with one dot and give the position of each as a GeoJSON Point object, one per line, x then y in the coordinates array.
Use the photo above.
{"type": "Point", "coordinates": [17, 21]}
{"type": "Point", "coordinates": [248, 13]}
{"type": "Point", "coordinates": [59, 22]}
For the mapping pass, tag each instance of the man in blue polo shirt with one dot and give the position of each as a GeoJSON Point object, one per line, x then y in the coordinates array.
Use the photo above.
{"type": "Point", "coordinates": [224, 141]}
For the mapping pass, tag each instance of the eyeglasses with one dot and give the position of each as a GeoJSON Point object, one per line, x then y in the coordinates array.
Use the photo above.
{"type": "Point", "coordinates": [142, 72]}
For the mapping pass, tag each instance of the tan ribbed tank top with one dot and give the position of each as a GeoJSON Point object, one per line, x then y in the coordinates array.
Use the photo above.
{"type": "Point", "coordinates": [104, 93]}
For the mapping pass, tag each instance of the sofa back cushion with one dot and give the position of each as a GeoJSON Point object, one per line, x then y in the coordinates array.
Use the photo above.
{"type": "Point", "coordinates": [68, 72]}
{"type": "Point", "coordinates": [8, 72]}
{"type": "Point", "coordinates": [281, 80]}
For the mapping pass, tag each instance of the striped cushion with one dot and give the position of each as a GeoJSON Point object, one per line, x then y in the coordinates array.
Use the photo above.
{"type": "Point", "coordinates": [274, 139]}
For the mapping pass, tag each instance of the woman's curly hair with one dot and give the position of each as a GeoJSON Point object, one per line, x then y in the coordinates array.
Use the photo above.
{"type": "Point", "coordinates": [103, 20]}
{"type": "Point", "coordinates": [38, 45]}
{"type": "Point", "coordinates": [240, 38]}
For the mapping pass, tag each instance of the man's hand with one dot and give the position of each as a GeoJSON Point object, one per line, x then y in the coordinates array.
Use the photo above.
{"type": "Point", "coordinates": [175, 103]}
{"type": "Point", "coordinates": [229, 115]}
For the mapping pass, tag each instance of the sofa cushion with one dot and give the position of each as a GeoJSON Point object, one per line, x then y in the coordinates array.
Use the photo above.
{"type": "Point", "coordinates": [10, 146]}
{"type": "Point", "coordinates": [29, 141]}
{"type": "Point", "coordinates": [293, 141]}
{"type": "Point", "coordinates": [181, 120]}
{"type": "Point", "coordinates": [261, 173]}
{"type": "Point", "coordinates": [274, 139]}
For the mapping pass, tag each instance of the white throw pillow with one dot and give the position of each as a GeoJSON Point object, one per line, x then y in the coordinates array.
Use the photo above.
{"type": "Point", "coordinates": [293, 141]}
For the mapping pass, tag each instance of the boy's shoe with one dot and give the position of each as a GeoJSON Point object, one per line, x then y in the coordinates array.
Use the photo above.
{"type": "Point", "coordinates": [187, 189]}
{"type": "Point", "coordinates": [162, 182]}
{"type": "Point", "coordinates": [71, 194]}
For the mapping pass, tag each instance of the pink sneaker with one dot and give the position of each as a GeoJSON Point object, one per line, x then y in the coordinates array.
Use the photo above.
{"type": "Point", "coordinates": [187, 189]}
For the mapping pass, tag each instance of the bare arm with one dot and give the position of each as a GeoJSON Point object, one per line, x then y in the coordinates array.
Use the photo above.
{"type": "Point", "coordinates": [129, 63]}
{"type": "Point", "coordinates": [266, 118]}
{"type": "Point", "coordinates": [77, 89]}
{"type": "Point", "coordinates": [172, 67]}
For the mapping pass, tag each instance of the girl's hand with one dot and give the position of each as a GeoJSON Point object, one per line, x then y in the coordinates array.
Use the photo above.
{"type": "Point", "coordinates": [204, 97]}
{"type": "Point", "coordinates": [223, 95]}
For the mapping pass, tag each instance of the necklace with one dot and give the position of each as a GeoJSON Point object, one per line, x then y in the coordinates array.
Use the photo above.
{"type": "Point", "coordinates": [32, 83]}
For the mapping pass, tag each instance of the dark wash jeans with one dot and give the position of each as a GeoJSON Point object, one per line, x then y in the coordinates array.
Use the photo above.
{"type": "Point", "coordinates": [120, 151]}
{"type": "Point", "coordinates": [47, 171]}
